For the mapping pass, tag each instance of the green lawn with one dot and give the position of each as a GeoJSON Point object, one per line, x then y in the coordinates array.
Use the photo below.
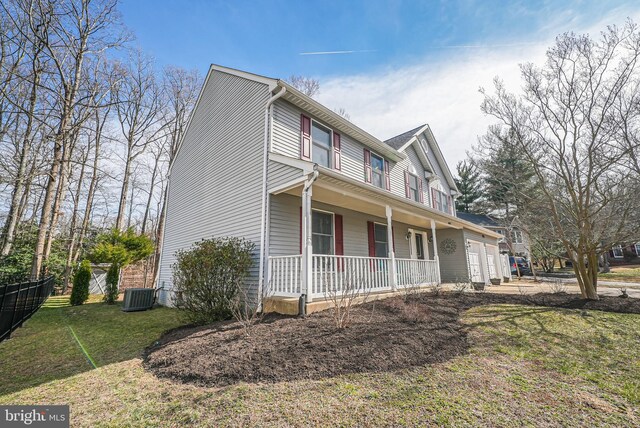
{"type": "Point", "coordinates": [45, 349]}
{"type": "Point", "coordinates": [622, 273]}
{"type": "Point", "coordinates": [527, 366]}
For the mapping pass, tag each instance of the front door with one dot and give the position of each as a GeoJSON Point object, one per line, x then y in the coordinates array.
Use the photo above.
{"type": "Point", "coordinates": [419, 247]}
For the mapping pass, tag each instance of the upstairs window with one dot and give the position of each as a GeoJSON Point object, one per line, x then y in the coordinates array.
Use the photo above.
{"type": "Point", "coordinates": [414, 190]}
{"type": "Point", "coordinates": [413, 186]}
{"type": "Point", "coordinates": [516, 236]}
{"type": "Point", "coordinates": [321, 142]}
{"type": "Point", "coordinates": [377, 171]}
{"type": "Point", "coordinates": [441, 201]}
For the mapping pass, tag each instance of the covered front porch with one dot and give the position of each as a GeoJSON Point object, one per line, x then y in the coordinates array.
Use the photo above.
{"type": "Point", "coordinates": [329, 237]}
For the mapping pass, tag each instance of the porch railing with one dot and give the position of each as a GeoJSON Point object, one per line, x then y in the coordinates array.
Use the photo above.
{"type": "Point", "coordinates": [286, 275]}
{"type": "Point", "coordinates": [411, 272]}
{"type": "Point", "coordinates": [335, 275]}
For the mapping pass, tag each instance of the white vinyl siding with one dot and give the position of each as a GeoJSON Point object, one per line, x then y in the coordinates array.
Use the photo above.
{"type": "Point", "coordinates": [216, 181]}
{"type": "Point", "coordinates": [286, 141]}
{"type": "Point", "coordinates": [284, 234]}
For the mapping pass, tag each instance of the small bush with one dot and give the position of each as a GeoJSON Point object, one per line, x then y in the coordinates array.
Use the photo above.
{"type": "Point", "coordinates": [208, 277]}
{"type": "Point", "coordinates": [112, 280]}
{"type": "Point", "coordinates": [80, 291]}
{"type": "Point", "coordinates": [415, 313]}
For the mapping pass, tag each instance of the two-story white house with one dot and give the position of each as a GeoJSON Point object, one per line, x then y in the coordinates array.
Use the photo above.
{"type": "Point", "coordinates": [326, 203]}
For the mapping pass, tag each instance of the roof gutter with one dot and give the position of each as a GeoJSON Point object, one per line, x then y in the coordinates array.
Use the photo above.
{"type": "Point", "coordinates": [264, 251]}
{"type": "Point", "coordinates": [443, 217]}
{"type": "Point", "coordinates": [332, 119]}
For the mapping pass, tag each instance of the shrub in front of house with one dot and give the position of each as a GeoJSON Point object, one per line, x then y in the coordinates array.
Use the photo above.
{"type": "Point", "coordinates": [80, 291]}
{"type": "Point", "coordinates": [208, 277]}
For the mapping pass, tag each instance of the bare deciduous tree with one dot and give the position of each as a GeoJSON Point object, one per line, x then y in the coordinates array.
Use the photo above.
{"type": "Point", "coordinates": [306, 85]}
{"type": "Point", "coordinates": [138, 106]}
{"type": "Point", "coordinates": [567, 124]}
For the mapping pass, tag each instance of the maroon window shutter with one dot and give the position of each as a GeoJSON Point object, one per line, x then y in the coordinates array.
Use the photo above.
{"type": "Point", "coordinates": [372, 239]}
{"type": "Point", "coordinates": [339, 250]}
{"type": "Point", "coordinates": [407, 189]}
{"type": "Point", "coordinates": [305, 137]}
{"type": "Point", "coordinates": [300, 230]}
{"type": "Point", "coordinates": [420, 191]}
{"type": "Point", "coordinates": [367, 166]}
{"type": "Point", "coordinates": [338, 232]}
{"type": "Point", "coordinates": [387, 179]}
{"type": "Point", "coordinates": [337, 152]}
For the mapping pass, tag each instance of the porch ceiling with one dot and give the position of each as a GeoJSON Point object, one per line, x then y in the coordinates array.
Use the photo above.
{"type": "Point", "coordinates": [334, 189]}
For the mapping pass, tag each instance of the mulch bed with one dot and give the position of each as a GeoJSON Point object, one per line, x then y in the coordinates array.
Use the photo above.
{"type": "Point", "coordinates": [386, 335]}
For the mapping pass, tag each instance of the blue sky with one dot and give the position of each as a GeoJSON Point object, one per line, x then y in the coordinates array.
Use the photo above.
{"type": "Point", "coordinates": [442, 51]}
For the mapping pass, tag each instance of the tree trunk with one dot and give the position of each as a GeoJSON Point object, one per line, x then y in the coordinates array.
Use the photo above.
{"type": "Point", "coordinates": [150, 197]}
{"type": "Point", "coordinates": [584, 270]}
{"type": "Point", "coordinates": [13, 216]}
{"type": "Point", "coordinates": [61, 194]}
{"type": "Point", "coordinates": [72, 229]}
{"type": "Point", "coordinates": [47, 206]}
{"type": "Point", "coordinates": [93, 184]}
{"type": "Point", "coordinates": [120, 219]}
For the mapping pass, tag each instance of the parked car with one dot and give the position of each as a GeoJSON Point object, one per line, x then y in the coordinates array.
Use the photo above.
{"type": "Point", "coordinates": [522, 265]}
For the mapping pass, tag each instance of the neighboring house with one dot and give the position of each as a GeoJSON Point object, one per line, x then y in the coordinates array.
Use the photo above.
{"type": "Point", "coordinates": [327, 204]}
{"type": "Point", "coordinates": [519, 238]}
{"type": "Point", "coordinates": [621, 254]}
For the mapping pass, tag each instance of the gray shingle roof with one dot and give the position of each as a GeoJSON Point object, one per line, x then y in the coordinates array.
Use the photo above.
{"type": "Point", "coordinates": [479, 219]}
{"type": "Point", "coordinates": [400, 140]}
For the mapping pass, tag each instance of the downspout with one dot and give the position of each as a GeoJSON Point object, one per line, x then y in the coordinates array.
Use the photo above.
{"type": "Point", "coordinates": [263, 216]}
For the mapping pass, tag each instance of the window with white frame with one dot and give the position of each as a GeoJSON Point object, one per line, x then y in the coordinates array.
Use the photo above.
{"type": "Point", "coordinates": [322, 232]}
{"type": "Point", "coordinates": [414, 187]}
{"type": "Point", "coordinates": [516, 236]}
{"type": "Point", "coordinates": [617, 252]}
{"type": "Point", "coordinates": [321, 140]}
{"type": "Point", "coordinates": [377, 171]}
{"type": "Point", "coordinates": [440, 201]}
{"type": "Point", "coordinates": [637, 249]}
{"type": "Point", "coordinates": [381, 241]}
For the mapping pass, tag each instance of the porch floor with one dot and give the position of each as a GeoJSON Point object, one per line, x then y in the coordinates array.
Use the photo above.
{"type": "Point", "coordinates": [289, 305]}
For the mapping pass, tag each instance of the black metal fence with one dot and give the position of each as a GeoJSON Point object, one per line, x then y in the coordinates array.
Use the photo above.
{"type": "Point", "coordinates": [19, 301]}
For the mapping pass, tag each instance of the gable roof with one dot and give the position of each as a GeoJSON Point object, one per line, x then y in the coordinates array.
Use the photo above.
{"type": "Point", "coordinates": [479, 219]}
{"type": "Point", "coordinates": [400, 140]}
{"type": "Point", "coordinates": [411, 137]}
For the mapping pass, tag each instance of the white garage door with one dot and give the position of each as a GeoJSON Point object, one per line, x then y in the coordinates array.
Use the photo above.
{"type": "Point", "coordinates": [476, 270]}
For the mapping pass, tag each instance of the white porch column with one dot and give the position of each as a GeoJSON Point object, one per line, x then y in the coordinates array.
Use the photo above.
{"type": "Point", "coordinates": [392, 254]}
{"type": "Point", "coordinates": [435, 250]}
{"type": "Point", "coordinates": [307, 246]}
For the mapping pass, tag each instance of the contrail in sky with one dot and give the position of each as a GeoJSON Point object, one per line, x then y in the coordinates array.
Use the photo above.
{"type": "Point", "coordinates": [334, 52]}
